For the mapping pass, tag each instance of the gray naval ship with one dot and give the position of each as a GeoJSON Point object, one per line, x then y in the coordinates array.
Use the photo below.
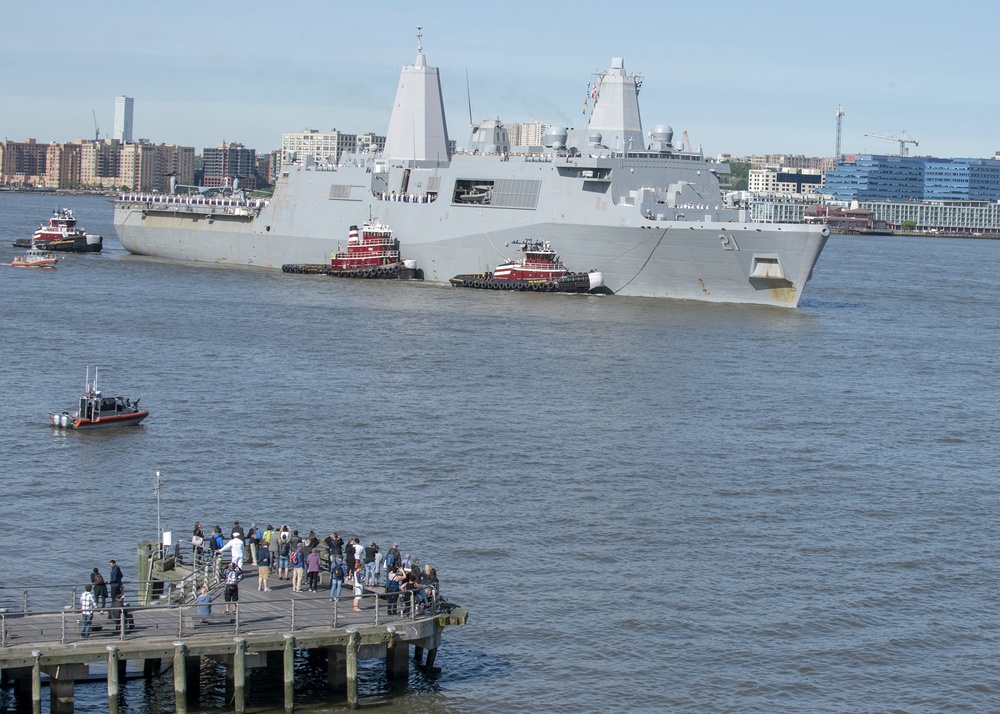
{"type": "Point", "coordinates": [649, 215]}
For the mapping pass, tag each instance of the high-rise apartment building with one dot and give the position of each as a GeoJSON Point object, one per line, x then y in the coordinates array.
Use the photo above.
{"type": "Point", "coordinates": [99, 163]}
{"type": "Point", "coordinates": [123, 119]}
{"type": "Point", "coordinates": [322, 145]}
{"type": "Point", "coordinates": [23, 162]}
{"type": "Point", "coordinates": [138, 167]}
{"type": "Point", "coordinates": [62, 165]}
{"type": "Point", "coordinates": [176, 161]}
{"type": "Point", "coordinates": [526, 134]}
{"type": "Point", "coordinates": [228, 162]}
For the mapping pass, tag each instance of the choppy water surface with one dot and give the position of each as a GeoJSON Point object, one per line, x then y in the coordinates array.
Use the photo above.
{"type": "Point", "coordinates": [645, 504]}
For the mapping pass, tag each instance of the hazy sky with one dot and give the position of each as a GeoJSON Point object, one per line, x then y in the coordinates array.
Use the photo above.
{"type": "Point", "coordinates": [740, 77]}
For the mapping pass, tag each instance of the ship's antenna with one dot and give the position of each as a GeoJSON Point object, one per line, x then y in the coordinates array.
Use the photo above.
{"type": "Point", "coordinates": [420, 49]}
{"type": "Point", "coordinates": [468, 93]}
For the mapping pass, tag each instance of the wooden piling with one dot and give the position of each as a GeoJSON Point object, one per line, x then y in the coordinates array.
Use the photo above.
{"type": "Point", "coordinates": [113, 680]}
{"type": "Point", "coordinates": [180, 678]}
{"type": "Point", "coordinates": [240, 675]}
{"type": "Point", "coordinates": [353, 644]}
{"type": "Point", "coordinates": [36, 682]}
{"type": "Point", "coordinates": [289, 672]}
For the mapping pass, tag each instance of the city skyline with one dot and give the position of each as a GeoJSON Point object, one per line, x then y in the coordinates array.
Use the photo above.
{"type": "Point", "coordinates": [744, 80]}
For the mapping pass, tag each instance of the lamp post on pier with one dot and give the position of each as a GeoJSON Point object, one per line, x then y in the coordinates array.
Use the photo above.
{"type": "Point", "coordinates": [159, 531]}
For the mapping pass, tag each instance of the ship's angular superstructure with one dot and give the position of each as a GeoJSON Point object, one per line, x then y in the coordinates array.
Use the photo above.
{"type": "Point", "coordinates": [417, 128]}
{"type": "Point", "coordinates": [615, 116]}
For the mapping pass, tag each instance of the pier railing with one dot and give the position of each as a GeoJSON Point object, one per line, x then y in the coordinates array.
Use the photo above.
{"type": "Point", "coordinates": [24, 599]}
{"type": "Point", "coordinates": [66, 625]}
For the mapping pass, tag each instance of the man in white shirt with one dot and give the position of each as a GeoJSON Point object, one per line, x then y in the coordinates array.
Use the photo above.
{"type": "Point", "coordinates": [235, 545]}
{"type": "Point", "coordinates": [87, 607]}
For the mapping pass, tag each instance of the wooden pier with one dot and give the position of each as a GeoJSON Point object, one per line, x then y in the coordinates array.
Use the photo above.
{"type": "Point", "coordinates": [265, 631]}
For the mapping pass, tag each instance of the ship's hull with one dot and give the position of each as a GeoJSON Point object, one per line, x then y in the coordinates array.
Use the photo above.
{"type": "Point", "coordinates": [609, 230]}
{"type": "Point", "coordinates": [112, 422]}
{"type": "Point", "coordinates": [63, 245]}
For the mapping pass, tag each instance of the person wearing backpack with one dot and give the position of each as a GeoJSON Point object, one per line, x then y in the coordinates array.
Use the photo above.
{"type": "Point", "coordinates": [392, 559]}
{"type": "Point", "coordinates": [215, 540]}
{"type": "Point", "coordinates": [284, 551]}
{"type": "Point", "coordinates": [298, 568]}
{"type": "Point", "coordinates": [337, 575]}
{"type": "Point", "coordinates": [100, 588]}
{"type": "Point", "coordinates": [232, 591]}
{"type": "Point", "coordinates": [263, 566]}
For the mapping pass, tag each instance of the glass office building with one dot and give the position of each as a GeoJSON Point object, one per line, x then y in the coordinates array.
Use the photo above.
{"type": "Point", "coordinates": [875, 177]}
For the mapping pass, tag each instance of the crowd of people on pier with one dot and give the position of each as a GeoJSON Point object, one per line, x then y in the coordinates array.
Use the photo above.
{"type": "Point", "coordinates": [278, 553]}
{"type": "Point", "coordinates": [282, 553]}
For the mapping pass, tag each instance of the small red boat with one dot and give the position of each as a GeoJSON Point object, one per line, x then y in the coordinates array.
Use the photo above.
{"type": "Point", "coordinates": [62, 234]}
{"type": "Point", "coordinates": [99, 412]}
{"type": "Point", "coordinates": [538, 269]}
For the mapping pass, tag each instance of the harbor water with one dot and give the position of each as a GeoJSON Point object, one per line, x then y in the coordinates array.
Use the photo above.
{"type": "Point", "coordinates": [646, 505]}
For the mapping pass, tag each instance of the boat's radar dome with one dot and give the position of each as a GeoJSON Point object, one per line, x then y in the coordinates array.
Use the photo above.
{"type": "Point", "coordinates": [662, 131]}
{"type": "Point", "coordinates": [594, 138]}
{"type": "Point", "coordinates": [555, 137]}
{"type": "Point", "coordinates": [661, 137]}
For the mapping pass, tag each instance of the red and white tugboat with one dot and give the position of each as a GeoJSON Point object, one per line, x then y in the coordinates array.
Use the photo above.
{"type": "Point", "coordinates": [99, 412]}
{"type": "Point", "coordinates": [371, 253]}
{"type": "Point", "coordinates": [538, 269]}
{"type": "Point", "coordinates": [63, 235]}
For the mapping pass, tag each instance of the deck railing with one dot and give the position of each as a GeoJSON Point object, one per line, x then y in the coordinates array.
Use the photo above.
{"type": "Point", "coordinates": [183, 619]}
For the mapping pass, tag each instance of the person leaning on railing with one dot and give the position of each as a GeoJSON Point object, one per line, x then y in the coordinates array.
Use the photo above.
{"type": "Point", "coordinates": [394, 582]}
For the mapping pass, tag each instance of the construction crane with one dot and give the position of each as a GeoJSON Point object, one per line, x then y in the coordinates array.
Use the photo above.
{"type": "Point", "coordinates": [840, 115]}
{"type": "Point", "coordinates": [903, 151]}
{"type": "Point", "coordinates": [97, 131]}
